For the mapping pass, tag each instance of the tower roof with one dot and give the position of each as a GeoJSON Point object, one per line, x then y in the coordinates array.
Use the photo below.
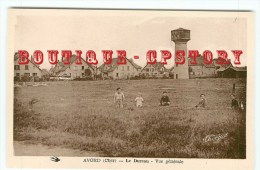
{"type": "Point", "coordinates": [181, 29]}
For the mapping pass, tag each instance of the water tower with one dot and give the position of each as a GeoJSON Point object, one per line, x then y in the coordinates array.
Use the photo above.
{"type": "Point", "coordinates": [180, 37]}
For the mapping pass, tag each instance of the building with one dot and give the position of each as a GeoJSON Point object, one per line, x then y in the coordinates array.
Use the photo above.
{"type": "Point", "coordinates": [232, 72]}
{"type": "Point", "coordinates": [73, 70]}
{"type": "Point", "coordinates": [115, 71]}
{"type": "Point", "coordinates": [201, 70]}
{"type": "Point", "coordinates": [26, 72]}
{"type": "Point", "coordinates": [156, 70]}
{"type": "Point", "coordinates": [181, 37]}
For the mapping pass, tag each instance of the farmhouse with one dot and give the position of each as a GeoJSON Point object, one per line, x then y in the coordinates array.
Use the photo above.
{"type": "Point", "coordinates": [157, 70]}
{"type": "Point", "coordinates": [26, 72]}
{"type": "Point", "coordinates": [73, 70]}
{"type": "Point", "coordinates": [115, 71]}
{"type": "Point", "coordinates": [201, 70]}
{"type": "Point", "coordinates": [232, 72]}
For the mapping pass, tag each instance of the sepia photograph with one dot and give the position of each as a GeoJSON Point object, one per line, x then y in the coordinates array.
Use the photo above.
{"type": "Point", "coordinates": [130, 84]}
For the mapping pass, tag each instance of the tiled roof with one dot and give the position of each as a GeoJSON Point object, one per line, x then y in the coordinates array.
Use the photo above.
{"type": "Point", "coordinates": [134, 64]}
{"type": "Point", "coordinates": [181, 29]}
{"type": "Point", "coordinates": [233, 68]}
{"type": "Point", "coordinates": [66, 66]}
{"type": "Point", "coordinates": [45, 72]}
{"type": "Point", "coordinates": [114, 65]}
{"type": "Point", "coordinates": [16, 57]}
{"type": "Point", "coordinates": [159, 66]}
{"type": "Point", "coordinates": [200, 62]}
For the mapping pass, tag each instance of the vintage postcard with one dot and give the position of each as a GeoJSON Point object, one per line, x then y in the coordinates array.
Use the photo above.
{"type": "Point", "coordinates": [132, 89]}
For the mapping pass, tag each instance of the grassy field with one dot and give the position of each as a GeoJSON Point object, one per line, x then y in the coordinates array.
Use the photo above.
{"type": "Point", "coordinates": [82, 116]}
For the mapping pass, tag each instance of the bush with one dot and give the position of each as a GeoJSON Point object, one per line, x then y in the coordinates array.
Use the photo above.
{"type": "Point", "coordinates": [165, 77]}
{"type": "Point", "coordinates": [25, 78]}
{"type": "Point", "coordinates": [36, 79]}
{"type": "Point", "coordinates": [171, 75]}
{"type": "Point", "coordinates": [136, 78]}
{"type": "Point", "coordinates": [16, 78]}
{"type": "Point", "coordinates": [87, 78]}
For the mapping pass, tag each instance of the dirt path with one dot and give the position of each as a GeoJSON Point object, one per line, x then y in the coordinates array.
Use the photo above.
{"type": "Point", "coordinates": [24, 149]}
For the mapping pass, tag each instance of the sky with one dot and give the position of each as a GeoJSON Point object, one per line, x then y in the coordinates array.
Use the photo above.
{"type": "Point", "coordinates": [134, 32]}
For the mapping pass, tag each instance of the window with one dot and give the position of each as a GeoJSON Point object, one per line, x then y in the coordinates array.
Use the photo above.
{"type": "Point", "coordinates": [82, 74]}
{"type": "Point", "coordinates": [17, 74]}
{"type": "Point", "coordinates": [26, 67]}
{"type": "Point", "coordinates": [128, 68]}
{"type": "Point", "coordinates": [27, 74]}
{"type": "Point", "coordinates": [117, 74]}
{"type": "Point", "coordinates": [34, 74]}
{"type": "Point", "coordinates": [75, 68]}
{"type": "Point", "coordinates": [16, 67]}
{"type": "Point", "coordinates": [147, 69]}
{"type": "Point", "coordinates": [123, 68]}
{"type": "Point", "coordinates": [82, 68]}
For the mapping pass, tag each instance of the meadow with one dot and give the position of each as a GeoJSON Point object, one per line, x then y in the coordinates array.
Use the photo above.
{"type": "Point", "coordinates": [81, 115]}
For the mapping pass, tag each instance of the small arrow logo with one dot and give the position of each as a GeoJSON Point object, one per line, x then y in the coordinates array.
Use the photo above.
{"type": "Point", "coordinates": [55, 159]}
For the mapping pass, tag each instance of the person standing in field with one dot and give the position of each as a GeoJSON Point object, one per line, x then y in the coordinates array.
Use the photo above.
{"type": "Point", "coordinates": [202, 103]}
{"type": "Point", "coordinates": [165, 101]}
{"type": "Point", "coordinates": [139, 100]}
{"type": "Point", "coordinates": [119, 97]}
{"type": "Point", "coordinates": [234, 102]}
